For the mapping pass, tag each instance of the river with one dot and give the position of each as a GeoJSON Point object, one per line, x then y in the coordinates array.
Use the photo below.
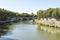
{"type": "Point", "coordinates": [29, 31]}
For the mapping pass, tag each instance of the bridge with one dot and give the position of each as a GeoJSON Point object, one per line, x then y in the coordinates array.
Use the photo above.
{"type": "Point", "coordinates": [19, 18]}
{"type": "Point", "coordinates": [25, 18]}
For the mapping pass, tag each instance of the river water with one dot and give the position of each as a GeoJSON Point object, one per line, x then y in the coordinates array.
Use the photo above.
{"type": "Point", "coordinates": [29, 31]}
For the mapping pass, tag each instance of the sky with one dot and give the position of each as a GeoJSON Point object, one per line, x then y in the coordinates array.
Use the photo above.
{"type": "Point", "coordinates": [28, 6]}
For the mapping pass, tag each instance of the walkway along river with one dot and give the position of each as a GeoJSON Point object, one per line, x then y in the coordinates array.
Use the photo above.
{"type": "Point", "coordinates": [27, 31]}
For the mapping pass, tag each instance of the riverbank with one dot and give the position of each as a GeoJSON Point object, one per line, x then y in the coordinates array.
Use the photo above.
{"type": "Point", "coordinates": [49, 26]}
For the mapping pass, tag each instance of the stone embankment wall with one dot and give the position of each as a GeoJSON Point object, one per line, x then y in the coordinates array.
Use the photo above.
{"type": "Point", "coordinates": [50, 25]}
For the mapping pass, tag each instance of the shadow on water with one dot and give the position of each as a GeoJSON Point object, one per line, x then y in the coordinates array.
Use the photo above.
{"type": "Point", "coordinates": [4, 28]}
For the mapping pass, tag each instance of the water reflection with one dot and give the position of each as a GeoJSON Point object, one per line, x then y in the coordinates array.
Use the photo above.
{"type": "Point", "coordinates": [4, 29]}
{"type": "Point", "coordinates": [48, 35]}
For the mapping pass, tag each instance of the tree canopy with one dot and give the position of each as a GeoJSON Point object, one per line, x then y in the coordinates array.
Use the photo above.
{"type": "Point", "coordinates": [6, 14]}
{"type": "Point", "coordinates": [49, 13]}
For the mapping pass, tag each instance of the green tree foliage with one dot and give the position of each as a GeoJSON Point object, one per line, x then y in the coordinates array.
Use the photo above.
{"type": "Point", "coordinates": [27, 15]}
{"type": "Point", "coordinates": [6, 14]}
{"type": "Point", "coordinates": [49, 13]}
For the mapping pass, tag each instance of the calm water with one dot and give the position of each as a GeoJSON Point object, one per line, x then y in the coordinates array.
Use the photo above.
{"type": "Point", "coordinates": [25, 31]}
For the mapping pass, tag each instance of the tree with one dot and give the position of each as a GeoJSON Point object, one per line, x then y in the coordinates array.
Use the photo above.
{"type": "Point", "coordinates": [49, 13]}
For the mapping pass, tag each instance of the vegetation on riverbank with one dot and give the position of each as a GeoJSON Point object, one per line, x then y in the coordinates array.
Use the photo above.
{"type": "Point", "coordinates": [49, 13]}
{"type": "Point", "coordinates": [8, 15]}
